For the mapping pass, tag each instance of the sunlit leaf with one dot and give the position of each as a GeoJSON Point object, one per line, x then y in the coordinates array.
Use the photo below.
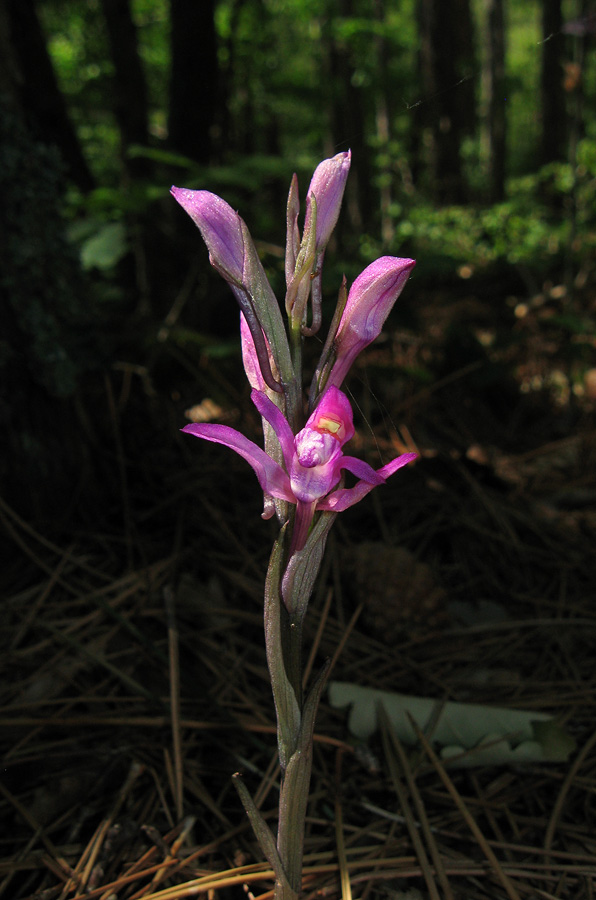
{"type": "Point", "coordinates": [467, 734]}
{"type": "Point", "coordinates": [105, 248]}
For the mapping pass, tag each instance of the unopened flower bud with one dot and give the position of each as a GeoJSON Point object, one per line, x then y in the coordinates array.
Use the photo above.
{"type": "Point", "coordinates": [370, 301]}
{"type": "Point", "coordinates": [221, 228]}
{"type": "Point", "coordinates": [327, 185]}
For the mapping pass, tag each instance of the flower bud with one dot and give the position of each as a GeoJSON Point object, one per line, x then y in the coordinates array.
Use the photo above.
{"type": "Point", "coordinates": [233, 254]}
{"type": "Point", "coordinates": [370, 301]}
{"type": "Point", "coordinates": [327, 185]}
{"type": "Point", "coordinates": [221, 229]}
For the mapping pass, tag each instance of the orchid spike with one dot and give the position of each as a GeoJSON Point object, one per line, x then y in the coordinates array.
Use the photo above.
{"type": "Point", "coordinates": [369, 302]}
{"type": "Point", "coordinates": [313, 459]}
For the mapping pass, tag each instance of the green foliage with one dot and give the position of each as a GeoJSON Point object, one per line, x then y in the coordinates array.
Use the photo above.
{"type": "Point", "coordinates": [105, 248]}
{"type": "Point", "coordinates": [280, 61]}
{"type": "Point", "coordinates": [533, 227]}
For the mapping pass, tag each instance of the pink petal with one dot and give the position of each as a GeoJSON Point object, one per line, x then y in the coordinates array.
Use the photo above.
{"type": "Point", "coordinates": [398, 463]}
{"type": "Point", "coordinates": [343, 498]}
{"type": "Point", "coordinates": [310, 483]}
{"type": "Point", "coordinates": [333, 414]}
{"type": "Point", "coordinates": [278, 422]}
{"type": "Point", "coordinates": [362, 470]}
{"type": "Point", "coordinates": [370, 300]}
{"type": "Point", "coordinates": [221, 228]}
{"type": "Point", "coordinates": [272, 477]}
{"type": "Point", "coordinates": [327, 184]}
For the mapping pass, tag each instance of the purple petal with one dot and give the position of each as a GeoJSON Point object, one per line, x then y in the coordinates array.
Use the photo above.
{"type": "Point", "coordinates": [279, 423]}
{"type": "Point", "coordinates": [398, 463]}
{"type": "Point", "coordinates": [310, 483]}
{"type": "Point", "coordinates": [370, 301]}
{"type": "Point", "coordinates": [327, 184]}
{"type": "Point", "coordinates": [272, 477]}
{"type": "Point", "coordinates": [221, 228]}
{"type": "Point", "coordinates": [373, 294]}
{"type": "Point", "coordinates": [343, 498]}
{"type": "Point", "coordinates": [362, 470]}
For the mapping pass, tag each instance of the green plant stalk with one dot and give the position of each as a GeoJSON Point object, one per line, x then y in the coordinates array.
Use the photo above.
{"type": "Point", "coordinates": [295, 721]}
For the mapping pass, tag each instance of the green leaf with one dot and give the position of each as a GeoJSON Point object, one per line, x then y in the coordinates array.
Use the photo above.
{"type": "Point", "coordinates": [468, 734]}
{"type": "Point", "coordinates": [303, 568]}
{"type": "Point", "coordinates": [105, 248]}
{"type": "Point", "coordinates": [262, 833]}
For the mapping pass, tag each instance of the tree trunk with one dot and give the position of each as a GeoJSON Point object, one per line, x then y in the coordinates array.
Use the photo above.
{"type": "Point", "coordinates": [552, 94]}
{"type": "Point", "coordinates": [347, 118]}
{"type": "Point", "coordinates": [194, 78]}
{"type": "Point", "coordinates": [384, 118]}
{"type": "Point", "coordinates": [39, 95]}
{"type": "Point", "coordinates": [447, 110]}
{"type": "Point", "coordinates": [494, 86]}
{"type": "Point", "coordinates": [129, 96]}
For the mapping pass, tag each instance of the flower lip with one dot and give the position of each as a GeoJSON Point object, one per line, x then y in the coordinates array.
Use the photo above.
{"type": "Point", "coordinates": [315, 448]}
{"type": "Point", "coordinates": [313, 459]}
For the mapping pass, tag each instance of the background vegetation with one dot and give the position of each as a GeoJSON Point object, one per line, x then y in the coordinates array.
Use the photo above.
{"type": "Point", "coordinates": [474, 150]}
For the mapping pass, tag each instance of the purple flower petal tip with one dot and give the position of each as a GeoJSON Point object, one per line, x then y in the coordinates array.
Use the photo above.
{"type": "Point", "coordinates": [221, 228]}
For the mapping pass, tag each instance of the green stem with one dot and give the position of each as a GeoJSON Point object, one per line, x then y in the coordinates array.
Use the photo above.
{"type": "Point", "coordinates": [295, 789]}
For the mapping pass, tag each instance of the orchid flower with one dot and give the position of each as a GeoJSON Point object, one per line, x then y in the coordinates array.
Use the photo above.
{"type": "Point", "coordinates": [313, 459]}
{"type": "Point", "coordinates": [232, 253]}
{"type": "Point", "coordinates": [369, 302]}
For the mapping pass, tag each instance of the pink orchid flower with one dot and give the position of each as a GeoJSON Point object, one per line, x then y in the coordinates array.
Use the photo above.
{"type": "Point", "coordinates": [370, 300]}
{"type": "Point", "coordinates": [313, 459]}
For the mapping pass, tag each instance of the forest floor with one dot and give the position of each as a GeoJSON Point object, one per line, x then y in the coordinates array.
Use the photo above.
{"type": "Point", "coordinates": [134, 681]}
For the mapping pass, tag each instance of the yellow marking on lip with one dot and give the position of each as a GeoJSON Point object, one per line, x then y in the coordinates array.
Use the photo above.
{"type": "Point", "coordinates": [330, 425]}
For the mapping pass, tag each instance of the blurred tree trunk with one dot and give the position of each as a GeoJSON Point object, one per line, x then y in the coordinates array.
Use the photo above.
{"type": "Point", "coordinates": [553, 144]}
{"type": "Point", "coordinates": [448, 109]}
{"type": "Point", "coordinates": [347, 116]}
{"type": "Point", "coordinates": [35, 88]}
{"type": "Point", "coordinates": [384, 117]}
{"type": "Point", "coordinates": [130, 89]}
{"type": "Point", "coordinates": [229, 131]}
{"type": "Point", "coordinates": [494, 88]}
{"type": "Point", "coordinates": [194, 78]}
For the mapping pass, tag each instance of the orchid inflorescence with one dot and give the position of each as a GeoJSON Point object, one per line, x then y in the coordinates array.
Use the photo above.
{"type": "Point", "coordinates": [301, 468]}
{"type": "Point", "coordinates": [311, 461]}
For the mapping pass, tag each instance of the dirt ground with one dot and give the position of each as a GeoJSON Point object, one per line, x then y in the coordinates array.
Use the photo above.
{"type": "Point", "coordinates": [134, 681]}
